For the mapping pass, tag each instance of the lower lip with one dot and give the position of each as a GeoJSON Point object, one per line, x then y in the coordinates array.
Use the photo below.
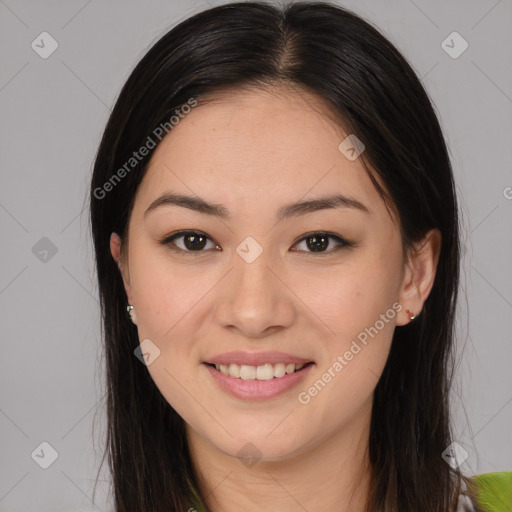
{"type": "Point", "coordinates": [258, 389]}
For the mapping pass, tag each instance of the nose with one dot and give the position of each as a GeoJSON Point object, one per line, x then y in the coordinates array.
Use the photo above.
{"type": "Point", "coordinates": [255, 300]}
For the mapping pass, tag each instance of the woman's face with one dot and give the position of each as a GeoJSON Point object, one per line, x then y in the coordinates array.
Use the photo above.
{"type": "Point", "coordinates": [250, 281]}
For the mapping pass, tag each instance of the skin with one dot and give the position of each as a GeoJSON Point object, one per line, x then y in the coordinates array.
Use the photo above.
{"type": "Point", "coordinates": [254, 151]}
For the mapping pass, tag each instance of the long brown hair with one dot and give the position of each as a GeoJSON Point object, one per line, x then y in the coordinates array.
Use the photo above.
{"type": "Point", "coordinates": [374, 93]}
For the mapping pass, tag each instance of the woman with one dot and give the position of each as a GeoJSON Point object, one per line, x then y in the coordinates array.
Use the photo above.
{"type": "Point", "coordinates": [273, 204]}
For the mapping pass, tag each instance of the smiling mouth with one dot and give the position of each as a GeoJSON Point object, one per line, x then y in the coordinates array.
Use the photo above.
{"type": "Point", "coordinates": [263, 372]}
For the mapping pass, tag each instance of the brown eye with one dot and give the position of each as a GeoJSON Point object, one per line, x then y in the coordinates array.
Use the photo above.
{"type": "Point", "coordinates": [194, 241]}
{"type": "Point", "coordinates": [320, 241]}
{"type": "Point", "coordinates": [189, 242]}
{"type": "Point", "coordinates": [317, 242]}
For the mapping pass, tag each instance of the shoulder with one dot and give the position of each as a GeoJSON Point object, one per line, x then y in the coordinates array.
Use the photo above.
{"type": "Point", "coordinates": [488, 492]}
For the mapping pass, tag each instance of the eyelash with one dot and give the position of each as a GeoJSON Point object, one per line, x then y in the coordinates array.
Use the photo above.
{"type": "Point", "coordinates": [168, 241]}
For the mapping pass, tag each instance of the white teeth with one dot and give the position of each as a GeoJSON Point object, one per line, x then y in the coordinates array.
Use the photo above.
{"type": "Point", "coordinates": [247, 372]}
{"type": "Point", "coordinates": [279, 370]}
{"type": "Point", "coordinates": [234, 371]}
{"type": "Point", "coordinates": [266, 371]}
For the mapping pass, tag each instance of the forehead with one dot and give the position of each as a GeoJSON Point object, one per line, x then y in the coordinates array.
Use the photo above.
{"type": "Point", "coordinates": [270, 120]}
{"type": "Point", "coordinates": [244, 146]}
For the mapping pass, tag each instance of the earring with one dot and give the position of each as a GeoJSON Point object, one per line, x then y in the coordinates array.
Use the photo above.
{"type": "Point", "coordinates": [131, 313]}
{"type": "Point", "coordinates": [412, 316]}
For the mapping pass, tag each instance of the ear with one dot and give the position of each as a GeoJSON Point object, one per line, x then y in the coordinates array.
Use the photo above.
{"type": "Point", "coordinates": [419, 276]}
{"type": "Point", "coordinates": [115, 249]}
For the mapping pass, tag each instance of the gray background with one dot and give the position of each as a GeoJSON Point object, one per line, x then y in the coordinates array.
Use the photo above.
{"type": "Point", "coordinates": [53, 112]}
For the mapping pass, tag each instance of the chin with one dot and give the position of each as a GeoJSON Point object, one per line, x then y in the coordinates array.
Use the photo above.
{"type": "Point", "coordinates": [258, 447]}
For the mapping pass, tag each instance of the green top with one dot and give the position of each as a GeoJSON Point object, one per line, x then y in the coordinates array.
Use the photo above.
{"type": "Point", "coordinates": [197, 504]}
{"type": "Point", "coordinates": [494, 493]}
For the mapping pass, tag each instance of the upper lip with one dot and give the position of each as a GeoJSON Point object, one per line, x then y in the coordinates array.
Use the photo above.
{"type": "Point", "coordinates": [256, 358]}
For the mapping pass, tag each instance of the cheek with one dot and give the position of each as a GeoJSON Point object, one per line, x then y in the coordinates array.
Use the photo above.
{"type": "Point", "coordinates": [352, 366]}
{"type": "Point", "coordinates": [164, 294]}
{"type": "Point", "coordinates": [166, 302]}
{"type": "Point", "coordinates": [176, 383]}
{"type": "Point", "coordinates": [358, 310]}
{"type": "Point", "coordinates": [352, 298]}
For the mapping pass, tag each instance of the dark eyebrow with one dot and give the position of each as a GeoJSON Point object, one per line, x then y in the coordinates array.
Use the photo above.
{"type": "Point", "coordinates": [292, 210]}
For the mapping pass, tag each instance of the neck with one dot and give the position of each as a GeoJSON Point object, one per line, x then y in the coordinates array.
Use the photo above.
{"type": "Point", "coordinates": [331, 474]}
